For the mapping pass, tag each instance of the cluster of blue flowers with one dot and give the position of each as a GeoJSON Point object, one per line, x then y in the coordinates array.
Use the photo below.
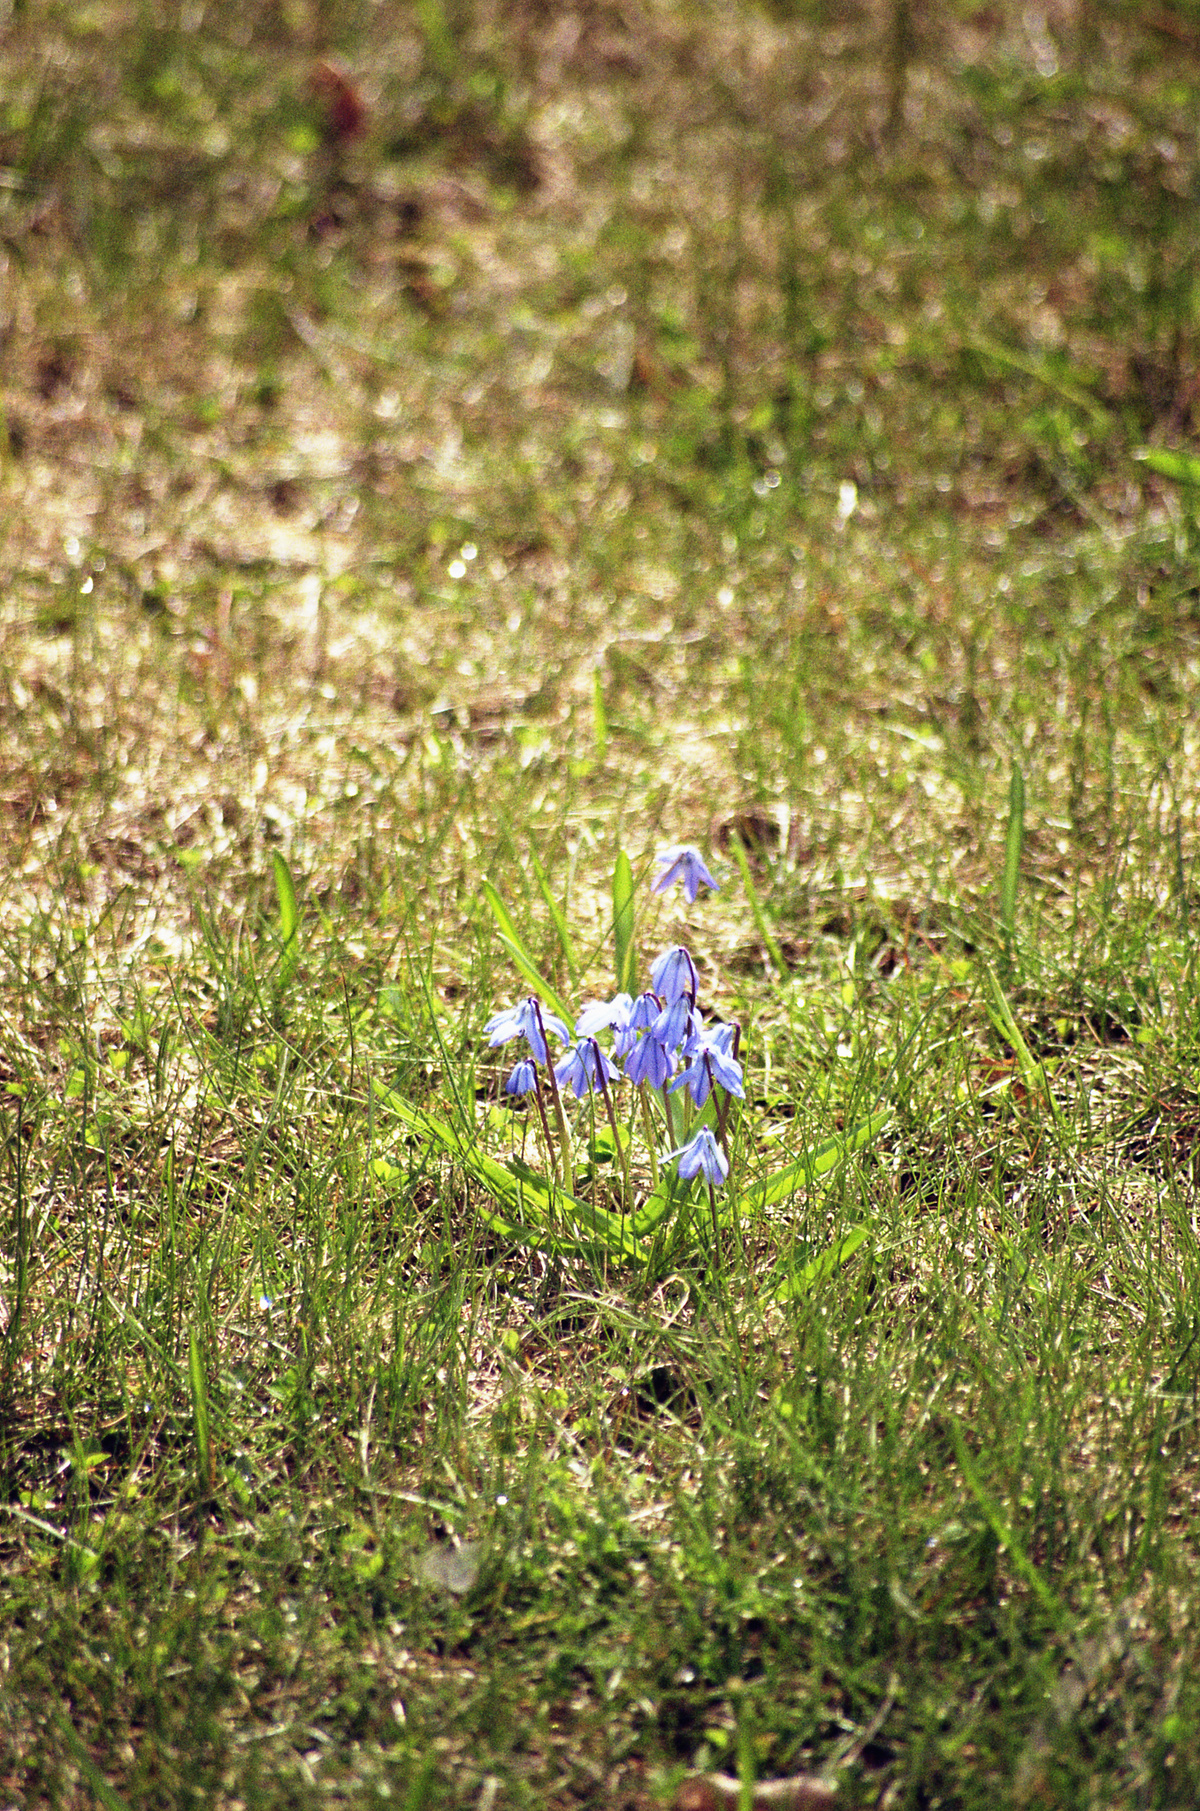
{"type": "Point", "coordinates": [659, 1039]}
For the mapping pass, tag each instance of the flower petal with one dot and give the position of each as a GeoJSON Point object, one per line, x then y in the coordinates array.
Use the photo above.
{"type": "Point", "coordinates": [683, 863]}
{"type": "Point", "coordinates": [703, 1156]}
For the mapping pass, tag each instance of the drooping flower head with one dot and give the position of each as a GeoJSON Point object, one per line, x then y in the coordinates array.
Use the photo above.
{"type": "Point", "coordinates": [649, 1061]}
{"type": "Point", "coordinates": [673, 1026]}
{"type": "Point", "coordinates": [710, 1062]}
{"type": "Point", "coordinates": [523, 1079]}
{"type": "Point", "coordinates": [644, 1012]}
{"type": "Point", "coordinates": [703, 1156]}
{"type": "Point", "coordinates": [530, 1020]}
{"type": "Point", "coordinates": [726, 1035]}
{"type": "Point", "coordinates": [673, 975]}
{"type": "Point", "coordinates": [583, 1068]}
{"type": "Point", "coordinates": [685, 864]}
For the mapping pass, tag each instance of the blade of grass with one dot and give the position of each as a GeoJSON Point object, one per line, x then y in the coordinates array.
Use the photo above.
{"type": "Point", "coordinates": [1003, 1530]}
{"type": "Point", "coordinates": [599, 714]}
{"type": "Point", "coordinates": [623, 950]}
{"type": "Point", "coordinates": [558, 919]}
{"type": "Point", "coordinates": [1013, 843]}
{"type": "Point", "coordinates": [513, 942]}
{"type": "Point", "coordinates": [760, 918]}
{"type": "Point", "coordinates": [440, 45]}
{"type": "Point", "coordinates": [289, 919]}
{"type": "Point", "coordinates": [1039, 371]}
{"type": "Point", "coordinates": [198, 1380]}
{"type": "Point", "coordinates": [1032, 1073]}
{"type": "Point", "coordinates": [105, 1794]}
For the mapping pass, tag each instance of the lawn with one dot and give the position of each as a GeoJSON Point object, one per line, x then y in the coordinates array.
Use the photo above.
{"type": "Point", "coordinates": [450, 454]}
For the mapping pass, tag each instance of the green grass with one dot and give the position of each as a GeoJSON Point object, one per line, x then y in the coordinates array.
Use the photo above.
{"type": "Point", "coordinates": [694, 427]}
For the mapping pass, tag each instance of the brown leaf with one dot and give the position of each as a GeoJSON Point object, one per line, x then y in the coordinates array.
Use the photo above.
{"type": "Point", "coordinates": [720, 1792]}
{"type": "Point", "coordinates": [343, 108]}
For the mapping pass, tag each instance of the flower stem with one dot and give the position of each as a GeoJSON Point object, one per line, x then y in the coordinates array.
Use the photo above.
{"type": "Point", "coordinates": [723, 1104]}
{"type": "Point", "coordinates": [669, 1116]}
{"type": "Point", "coordinates": [712, 1202]}
{"type": "Point", "coordinates": [551, 1163]}
{"type": "Point", "coordinates": [566, 1166]}
{"type": "Point", "coordinates": [651, 1140]}
{"type": "Point", "coordinates": [622, 1153]}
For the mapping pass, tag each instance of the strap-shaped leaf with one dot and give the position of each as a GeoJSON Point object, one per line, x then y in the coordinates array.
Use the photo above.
{"type": "Point", "coordinates": [799, 1282]}
{"type": "Point", "coordinates": [623, 950]}
{"type": "Point", "coordinates": [1184, 468]}
{"type": "Point", "coordinates": [814, 1164]}
{"type": "Point", "coordinates": [511, 938]}
{"type": "Point", "coordinates": [1032, 1073]}
{"type": "Point", "coordinates": [558, 918]}
{"type": "Point", "coordinates": [289, 918]}
{"type": "Point", "coordinates": [546, 1220]}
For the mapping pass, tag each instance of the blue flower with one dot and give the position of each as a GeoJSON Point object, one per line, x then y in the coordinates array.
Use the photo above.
{"type": "Point", "coordinates": [710, 1061]}
{"type": "Point", "coordinates": [644, 1012]}
{"type": "Point", "coordinates": [686, 864]}
{"type": "Point", "coordinates": [583, 1068]}
{"type": "Point", "coordinates": [724, 1035]}
{"type": "Point", "coordinates": [526, 1020]}
{"type": "Point", "coordinates": [703, 1156]}
{"type": "Point", "coordinates": [673, 1026]}
{"type": "Point", "coordinates": [649, 1061]}
{"type": "Point", "coordinates": [674, 975]}
{"type": "Point", "coordinates": [605, 1015]}
{"type": "Point", "coordinates": [523, 1078]}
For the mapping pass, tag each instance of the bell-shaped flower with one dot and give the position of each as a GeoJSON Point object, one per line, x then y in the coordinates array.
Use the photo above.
{"type": "Point", "coordinates": [703, 1156]}
{"type": "Point", "coordinates": [649, 1061]}
{"type": "Point", "coordinates": [685, 864]}
{"type": "Point", "coordinates": [644, 1012]}
{"type": "Point", "coordinates": [710, 1062]}
{"type": "Point", "coordinates": [583, 1068]}
{"type": "Point", "coordinates": [674, 975]}
{"type": "Point", "coordinates": [527, 1019]}
{"type": "Point", "coordinates": [673, 1026]}
{"type": "Point", "coordinates": [523, 1078]}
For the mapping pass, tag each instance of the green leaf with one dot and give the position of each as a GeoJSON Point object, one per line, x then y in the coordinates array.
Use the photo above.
{"type": "Point", "coordinates": [623, 950]}
{"type": "Point", "coordinates": [289, 919]}
{"type": "Point", "coordinates": [511, 938]}
{"type": "Point", "coordinates": [600, 715]}
{"type": "Point", "coordinates": [559, 920]}
{"type": "Point", "coordinates": [799, 1282]}
{"type": "Point", "coordinates": [814, 1164]}
{"type": "Point", "coordinates": [534, 1214]}
{"type": "Point", "coordinates": [1184, 468]}
{"type": "Point", "coordinates": [1032, 1073]}
{"type": "Point", "coordinates": [105, 1794]}
{"type": "Point", "coordinates": [1013, 843]}
{"type": "Point", "coordinates": [198, 1381]}
{"type": "Point", "coordinates": [612, 1231]}
{"type": "Point", "coordinates": [657, 1206]}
